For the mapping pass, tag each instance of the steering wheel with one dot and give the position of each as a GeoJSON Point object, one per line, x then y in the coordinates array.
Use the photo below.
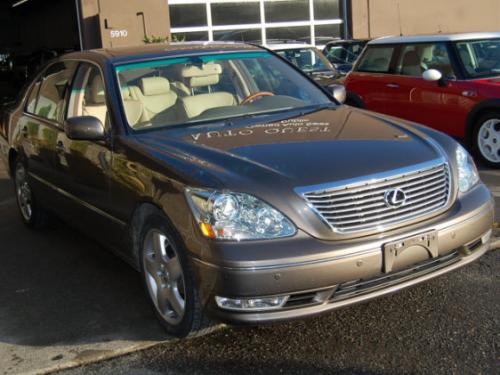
{"type": "Point", "coordinates": [258, 94]}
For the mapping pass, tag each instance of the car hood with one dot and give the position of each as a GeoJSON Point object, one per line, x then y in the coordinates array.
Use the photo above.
{"type": "Point", "coordinates": [273, 157]}
{"type": "Point", "coordinates": [322, 146]}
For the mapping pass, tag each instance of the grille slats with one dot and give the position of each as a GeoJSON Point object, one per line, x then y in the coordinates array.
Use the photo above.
{"type": "Point", "coordinates": [362, 206]}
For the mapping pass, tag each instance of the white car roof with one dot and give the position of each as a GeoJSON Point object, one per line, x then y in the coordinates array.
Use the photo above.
{"type": "Point", "coordinates": [434, 38]}
{"type": "Point", "coordinates": [283, 46]}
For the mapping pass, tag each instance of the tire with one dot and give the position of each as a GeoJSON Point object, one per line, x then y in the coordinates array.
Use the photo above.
{"type": "Point", "coordinates": [32, 214]}
{"type": "Point", "coordinates": [486, 139]}
{"type": "Point", "coordinates": [169, 279]}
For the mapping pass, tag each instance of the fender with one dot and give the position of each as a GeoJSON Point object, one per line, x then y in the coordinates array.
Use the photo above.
{"type": "Point", "coordinates": [478, 110]}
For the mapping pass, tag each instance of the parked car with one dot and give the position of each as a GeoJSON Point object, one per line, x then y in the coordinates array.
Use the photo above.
{"type": "Point", "coordinates": [240, 190]}
{"type": "Point", "coordinates": [310, 60]}
{"type": "Point", "coordinates": [343, 53]}
{"type": "Point", "coordinates": [448, 82]}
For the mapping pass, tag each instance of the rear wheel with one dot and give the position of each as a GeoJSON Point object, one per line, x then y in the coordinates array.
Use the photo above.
{"type": "Point", "coordinates": [32, 214]}
{"type": "Point", "coordinates": [486, 139]}
{"type": "Point", "coordinates": [169, 280]}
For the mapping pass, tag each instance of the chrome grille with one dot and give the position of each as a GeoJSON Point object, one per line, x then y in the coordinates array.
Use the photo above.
{"type": "Point", "coordinates": [362, 206]}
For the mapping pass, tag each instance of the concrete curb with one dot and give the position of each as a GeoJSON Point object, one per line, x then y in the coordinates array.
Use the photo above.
{"type": "Point", "coordinates": [94, 356]}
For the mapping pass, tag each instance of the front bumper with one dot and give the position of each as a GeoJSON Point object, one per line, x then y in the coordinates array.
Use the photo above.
{"type": "Point", "coordinates": [334, 275]}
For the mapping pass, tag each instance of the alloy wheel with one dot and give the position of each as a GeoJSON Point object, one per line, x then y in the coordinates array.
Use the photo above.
{"type": "Point", "coordinates": [164, 276]}
{"type": "Point", "coordinates": [488, 140]}
{"type": "Point", "coordinates": [23, 193]}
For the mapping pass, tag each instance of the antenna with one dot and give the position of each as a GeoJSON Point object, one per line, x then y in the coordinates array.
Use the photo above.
{"type": "Point", "coordinates": [399, 19]}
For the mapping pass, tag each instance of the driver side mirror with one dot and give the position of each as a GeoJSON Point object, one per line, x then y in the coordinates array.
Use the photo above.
{"type": "Point", "coordinates": [84, 128]}
{"type": "Point", "coordinates": [434, 75]}
{"type": "Point", "coordinates": [339, 93]}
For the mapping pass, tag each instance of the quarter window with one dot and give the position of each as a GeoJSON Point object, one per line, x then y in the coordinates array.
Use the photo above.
{"type": "Point", "coordinates": [376, 60]}
{"type": "Point", "coordinates": [50, 100]}
{"type": "Point", "coordinates": [417, 58]}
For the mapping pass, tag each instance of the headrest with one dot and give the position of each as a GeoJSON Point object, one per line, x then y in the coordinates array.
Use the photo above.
{"type": "Point", "coordinates": [207, 75]}
{"type": "Point", "coordinates": [97, 91]}
{"type": "Point", "coordinates": [125, 90]}
{"type": "Point", "coordinates": [154, 85]}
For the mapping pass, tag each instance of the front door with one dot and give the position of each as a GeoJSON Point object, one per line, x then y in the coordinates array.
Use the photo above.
{"type": "Point", "coordinates": [435, 104]}
{"type": "Point", "coordinates": [83, 167]}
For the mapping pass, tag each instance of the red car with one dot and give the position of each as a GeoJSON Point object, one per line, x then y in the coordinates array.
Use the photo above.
{"type": "Point", "coordinates": [448, 82]}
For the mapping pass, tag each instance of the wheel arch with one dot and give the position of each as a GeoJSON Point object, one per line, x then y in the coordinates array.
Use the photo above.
{"type": "Point", "coordinates": [479, 110]}
{"type": "Point", "coordinates": [12, 157]}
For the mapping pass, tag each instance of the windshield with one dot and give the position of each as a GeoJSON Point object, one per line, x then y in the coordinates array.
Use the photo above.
{"type": "Point", "coordinates": [480, 58]}
{"type": "Point", "coordinates": [306, 59]}
{"type": "Point", "coordinates": [344, 53]}
{"type": "Point", "coordinates": [189, 90]}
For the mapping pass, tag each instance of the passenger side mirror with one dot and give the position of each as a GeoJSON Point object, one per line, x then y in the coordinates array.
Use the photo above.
{"type": "Point", "coordinates": [433, 75]}
{"type": "Point", "coordinates": [339, 93]}
{"type": "Point", "coordinates": [84, 128]}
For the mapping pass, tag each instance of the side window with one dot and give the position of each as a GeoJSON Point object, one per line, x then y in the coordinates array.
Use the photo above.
{"type": "Point", "coordinates": [87, 97]}
{"type": "Point", "coordinates": [31, 103]}
{"type": "Point", "coordinates": [55, 82]}
{"type": "Point", "coordinates": [417, 58]}
{"type": "Point", "coordinates": [376, 60]}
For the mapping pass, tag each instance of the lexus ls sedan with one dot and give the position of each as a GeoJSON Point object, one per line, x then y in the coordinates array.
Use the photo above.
{"type": "Point", "coordinates": [238, 188]}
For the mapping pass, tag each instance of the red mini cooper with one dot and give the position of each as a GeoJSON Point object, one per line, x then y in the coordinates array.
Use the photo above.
{"type": "Point", "coordinates": [448, 82]}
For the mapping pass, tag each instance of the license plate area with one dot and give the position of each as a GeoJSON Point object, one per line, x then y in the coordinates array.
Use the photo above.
{"type": "Point", "coordinates": [392, 250]}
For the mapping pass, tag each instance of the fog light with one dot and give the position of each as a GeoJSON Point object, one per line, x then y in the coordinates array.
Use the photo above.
{"type": "Point", "coordinates": [251, 304]}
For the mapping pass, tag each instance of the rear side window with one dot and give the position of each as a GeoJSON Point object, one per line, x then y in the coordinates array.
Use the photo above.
{"type": "Point", "coordinates": [376, 60]}
{"type": "Point", "coordinates": [49, 102]}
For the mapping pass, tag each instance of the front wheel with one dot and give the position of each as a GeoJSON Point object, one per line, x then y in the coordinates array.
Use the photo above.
{"type": "Point", "coordinates": [32, 214]}
{"type": "Point", "coordinates": [486, 139]}
{"type": "Point", "coordinates": [169, 280]}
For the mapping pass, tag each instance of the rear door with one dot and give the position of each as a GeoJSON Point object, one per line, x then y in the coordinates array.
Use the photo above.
{"type": "Point", "coordinates": [40, 123]}
{"type": "Point", "coordinates": [371, 78]}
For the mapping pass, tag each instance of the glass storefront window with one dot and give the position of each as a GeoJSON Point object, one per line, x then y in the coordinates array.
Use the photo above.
{"type": "Point", "coordinates": [326, 9]}
{"type": "Point", "coordinates": [190, 36]}
{"type": "Point", "coordinates": [252, 35]}
{"type": "Point", "coordinates": [231, 13]}
{"type": "Point", "coordinates": [188, 15]}
{"type": "Point", "coordinates": [294, 33]}
{"type": "Point", "coordinates": [333, 31]}
{"type": "Point", "coordinates": [286, 10]}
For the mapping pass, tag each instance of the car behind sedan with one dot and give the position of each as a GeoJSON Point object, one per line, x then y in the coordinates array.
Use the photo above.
{"type": "Point", "coordinates": [238, 188]}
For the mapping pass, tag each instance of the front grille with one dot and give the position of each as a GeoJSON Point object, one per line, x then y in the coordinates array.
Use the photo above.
{"type": "Point", "coordinates": [362, 206]}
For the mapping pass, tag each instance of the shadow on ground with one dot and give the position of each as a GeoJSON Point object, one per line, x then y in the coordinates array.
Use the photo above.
{"type": "Point", "coordinates": [58, 287]}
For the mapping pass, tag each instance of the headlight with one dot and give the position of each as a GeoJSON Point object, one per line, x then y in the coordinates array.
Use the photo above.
{"type": "Point", "coordinates": [467, 172]}
{"type": "Point", "coordinates": [237, 216]}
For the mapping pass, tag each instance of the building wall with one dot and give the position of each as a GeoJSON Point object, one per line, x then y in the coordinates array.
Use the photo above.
{"type": "Point", "coordinates": [114, 23]}
{"type": "Point", "coordinates": [375, 18]}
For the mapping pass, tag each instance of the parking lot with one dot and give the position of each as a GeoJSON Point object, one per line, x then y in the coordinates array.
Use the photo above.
{"type": "Point", "coordinates": [68, 302]}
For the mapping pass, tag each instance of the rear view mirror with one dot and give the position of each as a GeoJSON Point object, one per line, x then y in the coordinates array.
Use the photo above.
{"type": "Point", "coordinates": [84, 128]}
{"type": "Point", "coordinates": [432, 75]}
{"type": "Point", "coordinates": [339, 93]}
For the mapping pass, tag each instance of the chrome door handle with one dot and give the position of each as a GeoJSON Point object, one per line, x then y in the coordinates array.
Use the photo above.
{"type": "Point", "coordinates": [392, 85]}
{"type": "Point", "coordinates": [60, 147]}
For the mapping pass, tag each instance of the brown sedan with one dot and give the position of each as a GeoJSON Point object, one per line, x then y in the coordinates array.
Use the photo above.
{"type": "Point", "coordinates": [237, 187]}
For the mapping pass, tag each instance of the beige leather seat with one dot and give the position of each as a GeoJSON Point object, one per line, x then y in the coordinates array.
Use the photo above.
{"type": "Point", "coordinates": [95, 100]}
{"type": "Point", "coordinates": [134, 110]}
{"type": "Point", "coordinates": [155, 95]}
{"type": "Point", "coordinates": [206, 76]}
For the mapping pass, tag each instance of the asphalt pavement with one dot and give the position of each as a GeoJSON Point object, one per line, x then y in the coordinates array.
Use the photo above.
{"type": "Point", "coordinates": [65, 301]}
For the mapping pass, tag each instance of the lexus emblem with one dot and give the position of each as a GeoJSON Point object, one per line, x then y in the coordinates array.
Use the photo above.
{"type": "Point", "coordinates": [394, 198]}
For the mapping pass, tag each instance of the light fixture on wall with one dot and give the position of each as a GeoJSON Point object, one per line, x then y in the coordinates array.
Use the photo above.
{"type": "Point", "coordinates": [16, 4]}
